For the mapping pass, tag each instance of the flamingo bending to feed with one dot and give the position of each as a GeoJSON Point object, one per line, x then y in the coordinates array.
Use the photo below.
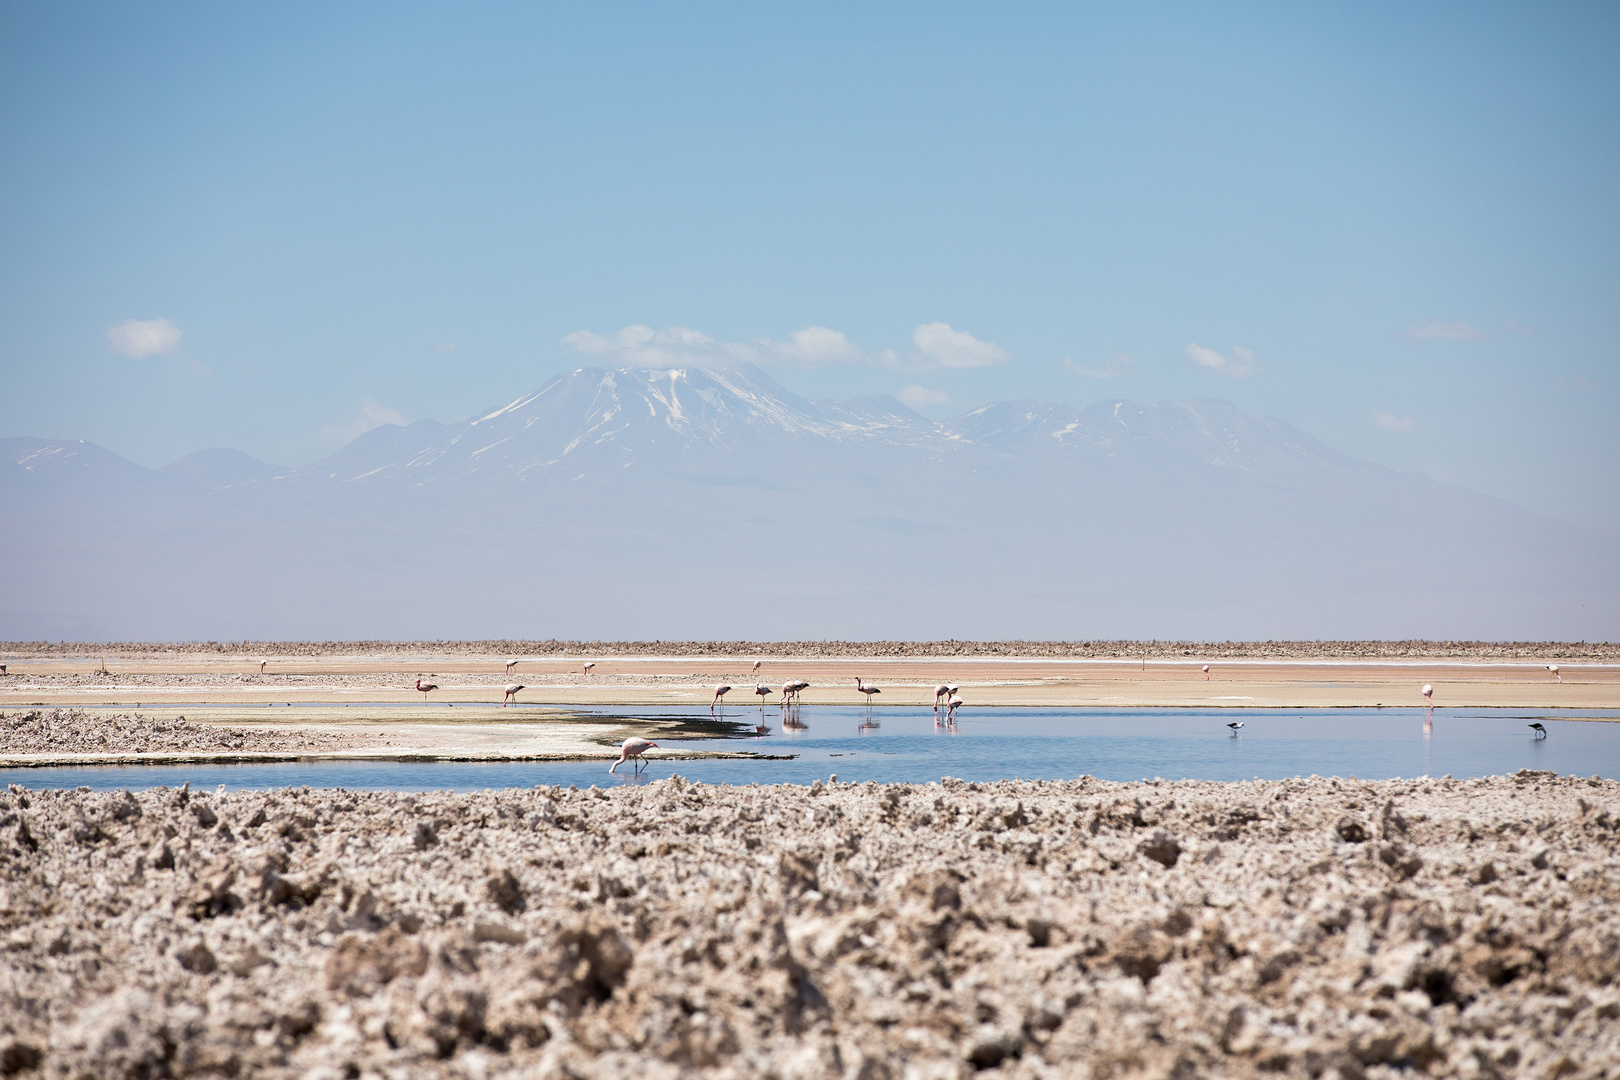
{"type": "Point", "coordinates": [1428, 693]}
{"type": "Point", "coordinates": [950, 709]}
{"type": "Point", "coordinates": [588, 665]}
{"type": "Point", "coordinates": [1553, 670]}
{"type": "Point", "coordinates": [425, 687]}
{"type": "Point", "coordinates": [633, 747]}
{"type": "Point", "coordinates": [262, 663]}
{"type": "Point", "coordinates": [719, 692]}
{"type": "Point", "coordinates": [941, 693]}
{"type": "Point", "coordinates": [511, 693]}
{"type": "Point", "coordinates": [1541, 732]}
{"type": "Point", "coordinates": [1206, 673]}
{"type": "Point", "coordinates": [756, 664]}
{"type": "Point", "coordinates": [510, 664]}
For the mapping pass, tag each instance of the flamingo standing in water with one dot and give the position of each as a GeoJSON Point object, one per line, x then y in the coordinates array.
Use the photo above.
{"type": "Point", "coordinates": [1206, 673]}
{"type": "Point", "coordinates": [719, 692]}
{"type": "Point", "coordinates": [790, 690]}
{"type": "Point", "coordinates": [511, 693]}
{"type": "Point", "coordinates": [1428, 694]}
{"type": "Point", "coordinates": [941, 693]}
{"type": "Point", "coordinates": [1553, 670]}
{"type": "Point", "coordinates": [425, 687]}
{"type": "Point", "coordinates": [633, 748]}
{"type": "Point", "coordinates": [762, 692]}
{"type": "Point", "coordinates": [867, 690]}
{"type": "Point", "coordinates": [950, 710]}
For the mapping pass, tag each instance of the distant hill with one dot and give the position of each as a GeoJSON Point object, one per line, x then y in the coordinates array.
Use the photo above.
{"type": "Point", "coordinates": [696, 504]}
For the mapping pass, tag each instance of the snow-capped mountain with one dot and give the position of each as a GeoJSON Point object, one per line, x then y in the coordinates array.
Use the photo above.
{"type": "Point", "coordinates": [695, 503]}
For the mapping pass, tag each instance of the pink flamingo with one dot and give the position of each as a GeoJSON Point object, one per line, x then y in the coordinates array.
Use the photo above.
{"type": "Point", "coordinates": [262, 663]}
{"type": "Point", "coordinates": [941, 693]}
{"type": "Point", "coordinates": [950, 711]}
{"type": "Point", "coordinates": [511, 693]}
{"type": "Point", "coordinates": [1206, 673]}
{"type": "Point", "coordinates": [757, 663]}
{"type": "Point", "coordinates": [510, 664]}
{"type": "Point", "coordinates": [792, 689]}
{"type": "Point", "coordinates": [1428, 693]}
{"type": "Point", "coordinates": [867, 690]}
{"type": "Point", "coordinates": [763, 692]}
{"type": "Point", "coordinates": [1553, 668]}
{"type": "Point", "coordinates": [425, 687]}
{"type": "Point", "coordinates": [588, 665]}
{"type": "Point", "coordinates": [633, 747]}
{"type": "Point", "coordinates": [719, 692]}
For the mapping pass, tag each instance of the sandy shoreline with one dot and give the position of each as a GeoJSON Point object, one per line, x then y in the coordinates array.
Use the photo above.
{"type": "Point", "coordinates": [1303, 928]}
{"type": "Point", "coordinates": [213, 679]}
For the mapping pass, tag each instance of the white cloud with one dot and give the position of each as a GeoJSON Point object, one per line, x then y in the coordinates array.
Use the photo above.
{"type": "Point", "coordinates": [1454, 331]}
{"type": "Point", "coordinates": [369, 414]}
{"type": "Point", "coordinates": [1113, 368]}
{"type": "Point", "coordinates": [138, 339]}
{"type": "Point", "coordinates": [1241, 364]}
{"type": "Point", "coordinates": [956, 348]}
{"type": "Point", "coordinates": [918, 397]}
{"type": "Point", "coordinates": [1391, 422]}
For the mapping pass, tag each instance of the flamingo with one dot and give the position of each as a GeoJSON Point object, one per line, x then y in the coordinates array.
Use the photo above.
{"type": "Point", "coordinates": [941, 693]}
{"type": "Point", "coordinates": [1206, 673]}
{"type": "Point", "coordinates": [1553, 669]}
{"type": "Point", "coordinates": [719, 692]}
{"type": "Point", "coordinates": [262, 663]}
{"type": "Point", "coordinates": [511, 693]}
{"type": "Point", "coordinates": [1428, 693]}
{"type": "Point", "coordinates": [950, 710]}
{"type": "Point", "coordinates": [633, 747]}
{"type": "Point", "coordinates": [1541, 732]}
{"type": "Point", "coordinates": [762, 692]}
{"type": "Point", "coordinates": [756, 664]}
{"type": "Point", "coordinates": [952, 689]}
{"type": "Point", "coordinates": [510, 664]}
{"type": "Point", "coordinates": [791, 689]}
{"type": "Point", "coordinates": [1235, 726]}
{"type": "Point", "coordinates": [867, 690]}
{"type": "Point", "coordinates": [425, 687]}
{"type": "Point", "coordinates": [588, 665]}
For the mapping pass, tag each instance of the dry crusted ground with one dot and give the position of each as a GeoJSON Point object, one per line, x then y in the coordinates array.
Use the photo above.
{"type": "Point", "coordinates": [1258, 650]}
{"type": "Point", "coordinates": [77, 732]}
{"type": "Point", "coordinates": [1086, 929]}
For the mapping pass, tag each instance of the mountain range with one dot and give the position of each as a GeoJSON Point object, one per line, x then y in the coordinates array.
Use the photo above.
{"type": "Point", "coordinates": [694, 503]}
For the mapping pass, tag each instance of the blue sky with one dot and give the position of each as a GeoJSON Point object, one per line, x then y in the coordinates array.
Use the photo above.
{"type": "Point", "coordinates": [268, 226]}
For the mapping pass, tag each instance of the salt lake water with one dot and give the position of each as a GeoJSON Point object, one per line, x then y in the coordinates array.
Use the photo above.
{"type": "Point", "coordinates": [899, 744]}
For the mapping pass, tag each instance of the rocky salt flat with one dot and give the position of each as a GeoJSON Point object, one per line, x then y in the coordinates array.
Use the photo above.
{"type": "Point", "coordinates": [1307, 928]}
{"type": "Point", "coordinates": [78, 733]}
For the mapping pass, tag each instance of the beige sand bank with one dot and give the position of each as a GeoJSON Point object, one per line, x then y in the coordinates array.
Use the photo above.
{"type": "Point", "coordinates": [193, 679]}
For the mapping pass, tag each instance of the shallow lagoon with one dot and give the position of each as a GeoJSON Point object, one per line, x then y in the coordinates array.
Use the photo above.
{"type": "Point", "coordinates": [898, 744]}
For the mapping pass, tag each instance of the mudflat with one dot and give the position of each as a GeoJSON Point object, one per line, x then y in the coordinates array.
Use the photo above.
{"type": "Point", "coordinates": [1301, 928]}
{"type": "Point", "coordinates": [1252, 675]}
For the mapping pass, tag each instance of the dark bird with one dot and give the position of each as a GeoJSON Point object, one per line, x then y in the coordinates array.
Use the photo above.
{"type": "Point", "coordinates": [1541, 732]}
{"type": "Point", "coordinates": [1235, 725]}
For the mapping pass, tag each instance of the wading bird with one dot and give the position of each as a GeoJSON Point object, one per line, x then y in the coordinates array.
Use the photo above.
{"type": "Point", "coordinates": [511, 693]}
{"type": "Point", "coordinates": [633, 747]}
{"type": "Point", "coordinates": [588, 665]}
{"type": "Point", "coordinates": [1206, 673]}
{"type": "Point", "coordinates": [950, 710]}
{"type": "Point", "coordinates": [790, 690]}
{"type": "Point", "coordinates": [757, 663]}
{"type": "Point", "coordinates": [941, 693]}
{"type": "Point", "coordinates": [867, 690]}
{"type": "Point", "coordinates": [1541, 732]}
{"type": "Point", "coordinates": [261, 666]}
{"type": "Point", "coordinates": [1235, 725]}
{"type": "Point", "coordinates": [762, 692]}
{"type": "Point", "coordinates": [1553, 670]}
{"type": "Point", "coordinates": [1428, 694]}
{"type": "Point", "coordinates": [719, 692]}
{"type": "Point", "coordinates": [425, 687]}
{"type": "Point", "coordinates": [510, 664]}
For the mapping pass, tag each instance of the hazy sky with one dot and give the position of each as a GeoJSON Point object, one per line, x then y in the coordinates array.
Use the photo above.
{"type": "Point", "coordinates": [270, 226]}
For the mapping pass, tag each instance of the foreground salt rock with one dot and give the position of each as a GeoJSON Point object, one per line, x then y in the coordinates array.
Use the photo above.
{"type": "Point", "coordinates": [1299, 928]}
